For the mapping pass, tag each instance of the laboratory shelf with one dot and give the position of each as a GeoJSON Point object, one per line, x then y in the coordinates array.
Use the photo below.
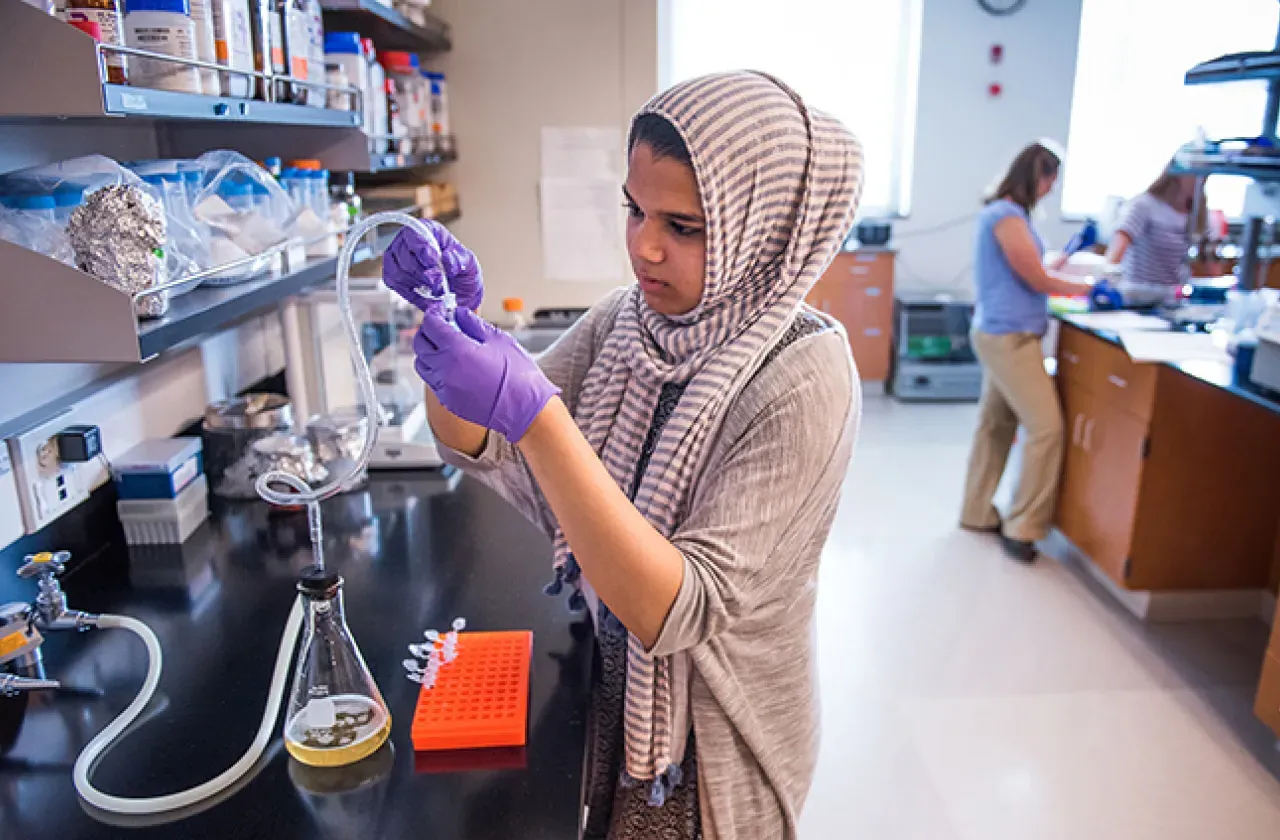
{"type": "Point", "coordinates": [391, 162]}
{"type": "Point", "coordinates": [1236, 67]}
{"type": "Point", "coordinates": [56, 313]}
{"type": "Point", "coordinates": [389, 29]}
{"type": "Point", "coordinates": [1257, 167]}
{"type": "Point", "coordinates": [70, 85]}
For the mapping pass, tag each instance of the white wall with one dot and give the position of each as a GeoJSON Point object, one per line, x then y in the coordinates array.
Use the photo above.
{"type": "Point", "coordinates": [965, 138]}
{"type": "Point", "coordinates": [515, 67]}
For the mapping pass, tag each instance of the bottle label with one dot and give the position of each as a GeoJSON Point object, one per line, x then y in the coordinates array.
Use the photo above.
{"type": "Point", "coordinates": [177, 41]}
{"type": "Point", "coordinates": [299, 43]}
{"type": "Point", "coordinates": [234, 44]}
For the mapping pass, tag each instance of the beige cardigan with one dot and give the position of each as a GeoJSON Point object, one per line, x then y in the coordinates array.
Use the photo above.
{"type": "Point", "coordinates": [751, 539]}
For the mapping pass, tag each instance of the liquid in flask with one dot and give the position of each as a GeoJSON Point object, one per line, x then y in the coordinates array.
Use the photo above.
{"type": "Point", "coordinates": [336, 713]}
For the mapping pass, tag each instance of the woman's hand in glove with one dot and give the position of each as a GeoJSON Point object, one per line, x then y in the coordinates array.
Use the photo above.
{"type": "Point", "coordinates": [413, 262]}
{"type": "Point", "coordinates": [480, 374]}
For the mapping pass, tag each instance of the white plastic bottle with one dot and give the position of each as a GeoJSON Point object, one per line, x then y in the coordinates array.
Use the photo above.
{"type": "Point", "coordinates": [440, 129]}
{"type": "Point", "coordinates": [346, 50]}
{"type": "Point", "coordinates": [206, 44]}
{"type": "Point", "coordinates": [164, 27]}
{"type": "Point", "coordinates": [377, 97]}
{"type": "Point", "coordinates": [233, 42]}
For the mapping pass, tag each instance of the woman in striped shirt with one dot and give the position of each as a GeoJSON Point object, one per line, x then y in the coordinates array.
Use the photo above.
{"type": "Point", "coordinates": [1155, 232]}
{"type": "Point", "coordinates": [683, 446]}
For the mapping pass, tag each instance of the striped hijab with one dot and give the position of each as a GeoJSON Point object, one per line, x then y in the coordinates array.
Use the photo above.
{"type": "Point", "coordinates": [779, 185]}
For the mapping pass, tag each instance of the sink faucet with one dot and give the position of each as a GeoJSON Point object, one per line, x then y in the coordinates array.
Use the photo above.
{"type": "Point", "coordinates": [51, 611]}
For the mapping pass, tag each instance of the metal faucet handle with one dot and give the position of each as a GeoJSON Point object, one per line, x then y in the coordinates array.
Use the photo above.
{"type": "Point", "coordinates": [45, 564]}
{"type": "Point", "coordinates": [11, 684]}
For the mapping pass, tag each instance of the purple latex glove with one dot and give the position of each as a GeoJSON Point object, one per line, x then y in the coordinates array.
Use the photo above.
{"type": "Point", "coordinates": [413, 261]}
{"type": "Point", "coordinates": [480, 373]}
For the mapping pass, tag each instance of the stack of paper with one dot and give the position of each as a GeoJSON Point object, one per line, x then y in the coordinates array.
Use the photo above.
{"type": "Point", "coordinates": [1147, 346]}
{"type": "Point", "coordinates": [1118, 321]}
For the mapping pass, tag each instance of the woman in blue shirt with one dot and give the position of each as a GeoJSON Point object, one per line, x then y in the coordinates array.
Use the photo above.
{"type": "Point", "coordinates": [1013, 289]}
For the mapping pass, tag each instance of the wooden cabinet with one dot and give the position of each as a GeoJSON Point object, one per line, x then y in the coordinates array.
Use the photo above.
{"type": "Point", "coordinates": [1168, 481]}
{"type": "Point", "coordinates": [1102, 471]}
{"type": "Point", "coordinates": [1267, 702]}
{"type": "Point", "coordinates": [857, 290]}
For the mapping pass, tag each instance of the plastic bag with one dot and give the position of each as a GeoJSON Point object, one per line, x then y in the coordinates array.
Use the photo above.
{"type": "Point", "coordinates": [176, 183]}
{"type": "Point", "coordinates": [40, 202]}
{"type": "Point", "coordinates": [244, 208]}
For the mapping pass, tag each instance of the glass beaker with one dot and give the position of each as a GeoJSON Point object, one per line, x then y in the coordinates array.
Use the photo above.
{"type": "Point", "coordinates": [336, 713]}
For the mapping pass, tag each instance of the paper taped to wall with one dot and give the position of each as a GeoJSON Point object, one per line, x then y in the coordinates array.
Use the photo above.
{"type": "Point", "coordinates": [581, 152]}
{"type": "Point", "coordinates": [581, 229]}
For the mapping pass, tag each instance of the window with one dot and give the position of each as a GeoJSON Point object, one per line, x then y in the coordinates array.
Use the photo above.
{"type": "Point", "coordinates": [805, 43]}
{"type": "Point", "coordinates": [1131, 111]}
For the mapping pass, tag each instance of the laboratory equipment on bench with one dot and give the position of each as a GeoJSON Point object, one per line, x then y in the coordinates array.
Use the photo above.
{"type": "Point", "coordinates": [1199, 303]}
{"type": "Point", "coordinates": [345, 694]}
{"type": "Point", "coordinates": [336, 714]}
{"type": "Point", "coordinates": [386, 325]}
{"type": "Point", "coordinates": [230, 429]}
{"type": "Point", "coordinates": [932, 359]}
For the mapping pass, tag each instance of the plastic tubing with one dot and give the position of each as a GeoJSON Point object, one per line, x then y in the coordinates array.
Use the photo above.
{"type": "Point", "coordinates": [302, 494]}
{"type": "Point", "coordinates": [158, 804]}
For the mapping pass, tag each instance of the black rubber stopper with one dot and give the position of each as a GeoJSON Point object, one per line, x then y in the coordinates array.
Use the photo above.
{"type": "Point", "coordinates": [315, 582]}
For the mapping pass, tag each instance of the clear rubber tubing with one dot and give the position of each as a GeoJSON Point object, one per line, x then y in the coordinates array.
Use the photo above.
{"type": "Point", "coordinates": [302, 494]}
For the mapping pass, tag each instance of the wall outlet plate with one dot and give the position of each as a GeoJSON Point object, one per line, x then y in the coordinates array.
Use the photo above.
{"type": "Point", "coordinates": [11, 525]}
{"type": "Point", "coordinates": [47, 487]}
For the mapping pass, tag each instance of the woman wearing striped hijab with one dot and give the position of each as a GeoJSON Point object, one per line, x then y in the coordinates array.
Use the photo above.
{"type": "Point", "coordinates": [684, 447]}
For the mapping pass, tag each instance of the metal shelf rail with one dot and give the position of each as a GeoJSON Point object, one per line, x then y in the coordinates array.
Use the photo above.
{"type": "Point", "coordinates": [1236, 67]}
{"type": "Point", "coordinates": [1257, 167]}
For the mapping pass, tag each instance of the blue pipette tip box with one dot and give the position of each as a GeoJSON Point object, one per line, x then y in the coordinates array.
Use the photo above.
{"type": "Point", "coordinates": [158, 469]}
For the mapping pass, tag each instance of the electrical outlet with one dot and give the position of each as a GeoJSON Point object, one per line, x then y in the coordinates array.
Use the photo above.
{"type": "Point", "coordinates": [11, 526]}
{"type": "Point", "coordinates": [47, 487]}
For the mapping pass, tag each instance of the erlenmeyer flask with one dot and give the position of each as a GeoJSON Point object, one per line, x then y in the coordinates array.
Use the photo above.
{"type": "Point", "coordinates": [336, 713]}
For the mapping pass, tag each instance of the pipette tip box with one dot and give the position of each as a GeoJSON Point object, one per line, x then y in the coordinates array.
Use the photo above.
{"type": "Point", "coordinates": [481, 699]}
{"type": "Point", "coordinates": [158, 469]}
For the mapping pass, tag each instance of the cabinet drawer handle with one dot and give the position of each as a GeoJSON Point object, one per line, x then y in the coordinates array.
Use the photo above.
{"type": "Point", "coordinates": [1071, 357]}
{"type": "Point", "coordinates": [1075, 430]}
{"type": "Point", "coordinates": [860, 269]}
{"type": "Point", "coordinates": [871, 332]}
{"type": "Point", "coordinates": [873, 291]}
{"type": "Point", "coordinates": [1088, 435]}
{"type": "Point", "coordinates": [1117, 381]}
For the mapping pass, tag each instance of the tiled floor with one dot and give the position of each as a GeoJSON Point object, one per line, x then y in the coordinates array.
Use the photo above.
{"type": "Point", "coordinates": [971, 698]}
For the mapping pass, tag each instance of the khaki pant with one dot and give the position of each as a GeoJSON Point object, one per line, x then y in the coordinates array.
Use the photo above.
{"type": "Point", "coordinates": [1016, 391]}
